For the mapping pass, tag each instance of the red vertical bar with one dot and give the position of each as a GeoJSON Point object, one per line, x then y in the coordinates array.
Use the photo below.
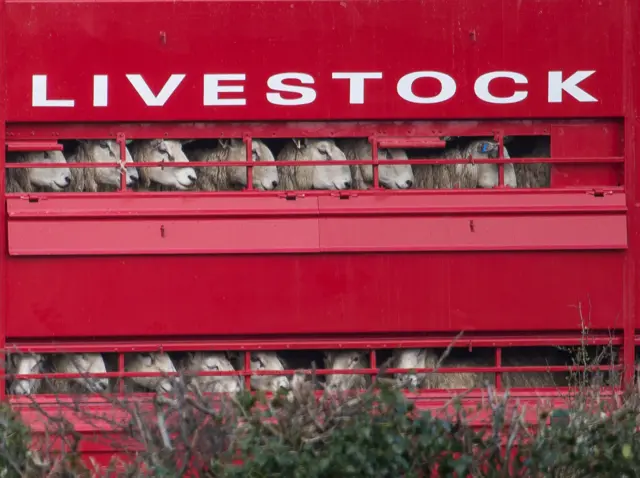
{"type": "Point", "coordinates": [374, 158]}
{"type": "Point", "coordinates": [373, 364]}
{"type": "Point", "coordinates": [3, 219]}
{"type": "Point", "coordinates": [121, 369]}
{"type": "Point", "coordinates": [500, 138]}
{"type": "Point", "coordinates": [631, 291]}
{"type": "Point", "coordinates": [249, 153]}
{"type": "Point", "coordinates": [247, 367]}
{"type": "Point", "coordinates": [499, 364]}
{"type": "Point", "coordinates": [122, 142]}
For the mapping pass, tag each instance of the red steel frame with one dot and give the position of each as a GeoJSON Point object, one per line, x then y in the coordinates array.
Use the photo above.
{"type": "Point", "coordinates": [601, 221]}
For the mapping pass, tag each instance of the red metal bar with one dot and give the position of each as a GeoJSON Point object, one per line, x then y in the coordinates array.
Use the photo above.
{"type": "Point", "coordinates": [249, 154]}
{"type": "Point", "coordinates": [292, 129]}
{"type": "Point", "coordinates": [499, 365]}
{"type": "Point", "coordinates": [404, 142]}
{"type": "Point", "coordinates": [567, 160]}
{"type": "Point", "coordinates": [122, 143]}
{"type": "Point", "coordinates": [33, 145]}
{"type": "Point", "coordinates": [3, 211]}
{"type": "Point", "coordinates": [365, 342]}
{"type": "Point", "coordinates": [375, 161]}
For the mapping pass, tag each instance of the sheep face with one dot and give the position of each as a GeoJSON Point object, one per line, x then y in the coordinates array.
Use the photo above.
{"type": "Point", "coordinates": [326, 177]}
{"type": "Point", "coordinates": [87, 363]}
{"type": "Point", "coordinates": [264, 178]}
{"type": "Point", "coordinates": [268, 361]}
{"type": "Point", "coordinates": [410, 359]}
{"type": "Point", "coordinates": [345, 360]}
{"type": "Point", "coordinates": [214, 362]}
{"type": "Point", "coordinates": [165, 150]}
{"type": "Point", "coordinates": [26, 364]}
{"type": "Point", "coordinates": [108, 151]}
{"type": "Point", "coordinates": [489, 174]}
{"type": "Point", "coordinates": [394, 176]}
{"type": "Point", "coordinates": [56, 179]}
{"type": "Point", "coordinates": [152, 362]}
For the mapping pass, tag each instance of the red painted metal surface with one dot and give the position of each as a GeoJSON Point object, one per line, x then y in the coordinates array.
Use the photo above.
{"type": "Point", "coordinates": [458, 38]}
{"type": "Point", "coordinates": [316, 270]}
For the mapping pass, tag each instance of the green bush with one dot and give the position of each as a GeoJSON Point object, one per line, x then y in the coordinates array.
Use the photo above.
{"type": "Point", "coordinates": [375, 434]}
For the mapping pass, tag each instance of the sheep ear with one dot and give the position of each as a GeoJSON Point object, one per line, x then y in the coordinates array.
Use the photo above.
{"type": "Point", "coordinates": [305, 142]}
{"type": "Point", "coordinates": [328, 357]}
{"type": "Point", "coordinates": [154, 143]}
{"type": "Point", "coordinates": [297, 142]}
{"type": "Point", "coordinates": [236, 143]}
{"type": "Point", "coordinates": [224, 142]}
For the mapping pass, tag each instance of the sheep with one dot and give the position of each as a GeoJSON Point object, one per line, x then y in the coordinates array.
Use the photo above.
{"type": "Point", "coordinates": [437, 176]}
{"type": "Point", "coordinates": [163, 150]}
{"type": "Point", "coordinates": [152, 362]}
{"type": "Point", "coordinates": [226, 178]}
{"type": "Point", "coordinates": [268, 361]}
{"type": "Point", "coordinates": [213, 362]}
{"type": "Point", "coordinates": [37, 179]}
{"type": "Point", "coordinates": [396, 176]}
{"type": "Point", "coordinates": [535, 175]}
{"type": "Point", "coordinates": [85, 363]}
{"type": "Point", "coordinates": [313, 177]}
{"type": "Point", "coordinates": [100, 179]}
{"type": "Point", "coordinates": [24, 364]}
{"type": "Point", "coordinates": [426, 358]}
{"type": "Point", "coordinates": [343, 360]}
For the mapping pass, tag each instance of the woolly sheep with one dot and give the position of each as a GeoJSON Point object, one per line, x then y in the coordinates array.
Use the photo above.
{"type": "Point", "coordinates": [346, 360]}
{"type": "Point", "coordinates": [535, 175]}
{"type": "Point", "coordinates": [163, 150]}
{"type": "Point", "coordinates": [313, 177]}
{"type": "Point", "coordinates": [268, 361]}
{"type": "Point", "coordinates": [395, 176]}
{"type": "Point", "coordinates": [84, 363]}
{"type": "Point", "coordinates": [213, 362]}
{"type": "Point", "coordinates": [100, 179]}
{"type": "Point", "coordinates": [226, 178]}
{"type": "Point", "coordinates": [437, 176]}
{"type": "Point", "coordinates": [152, 362]}
{"type": "Point", "coordinates": [426, 358]}
{"type": "Point", "coordinates": [37, 179]}
{"type": "Point", "coordinates": [24, 364]}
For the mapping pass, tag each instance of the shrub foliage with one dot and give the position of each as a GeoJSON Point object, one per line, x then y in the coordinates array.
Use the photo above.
{"type": "Point", "coordinates": [379, 433]}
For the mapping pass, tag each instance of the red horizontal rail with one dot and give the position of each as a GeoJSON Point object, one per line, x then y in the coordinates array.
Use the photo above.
{"type": "Point", "coordinates": [470, 340]}
{"type": "Point", "coordinates": [321, 371]}
{"type": "Point", "coordinates": [34, 146]}
{"type": "Point", "coordinates": [271, 204]}
{"type": "Point", "coordinates": [410, 142]}
{"type": "Point", "coordinates": [258, 164]}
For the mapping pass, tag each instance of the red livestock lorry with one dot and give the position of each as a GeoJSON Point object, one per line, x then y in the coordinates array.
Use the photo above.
{"type": "Point", "coordinates": [356, 260]}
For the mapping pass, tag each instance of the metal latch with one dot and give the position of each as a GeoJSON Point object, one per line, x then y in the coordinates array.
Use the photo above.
{"type": "Point", "coordinates": [344, 194]}
{"type": "Point", "coordinates": [599, 193]}
{"type": "Point", "coordinates": [291, 195]}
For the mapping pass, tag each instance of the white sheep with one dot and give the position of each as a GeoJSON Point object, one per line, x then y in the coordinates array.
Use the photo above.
{"type": "Point", "coordinates": [394, 176]}
{"type": "Point", "coordinates": [37, 179]}
{"type": "Point", "coordinates": [163, 150]}
{"type": "Point", "coordinates": [427, 358]}
{"type": "Point", "coordinates": [535, 175]}
{"type": "Point", "coordinates": [151, 362]}
{"type": "Point", "coordinates": [313, 177]}
{"type": "Point", "coordinates": [25, 364]}
{"type": "Point", "coordinates": [84, 363]}
{"type": "Point", "coordinates": [265, 178]}
{"type": "Point", "coordinates": [100, 179]}
{"type": "Point", "coordinates": [465, 175]}
{"type": "Point", "coordinates": [213, 362]}
{"type": "Point", "coordinates": [346, 360]}
{"type": "Point", "coordinates": [272, 362]}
